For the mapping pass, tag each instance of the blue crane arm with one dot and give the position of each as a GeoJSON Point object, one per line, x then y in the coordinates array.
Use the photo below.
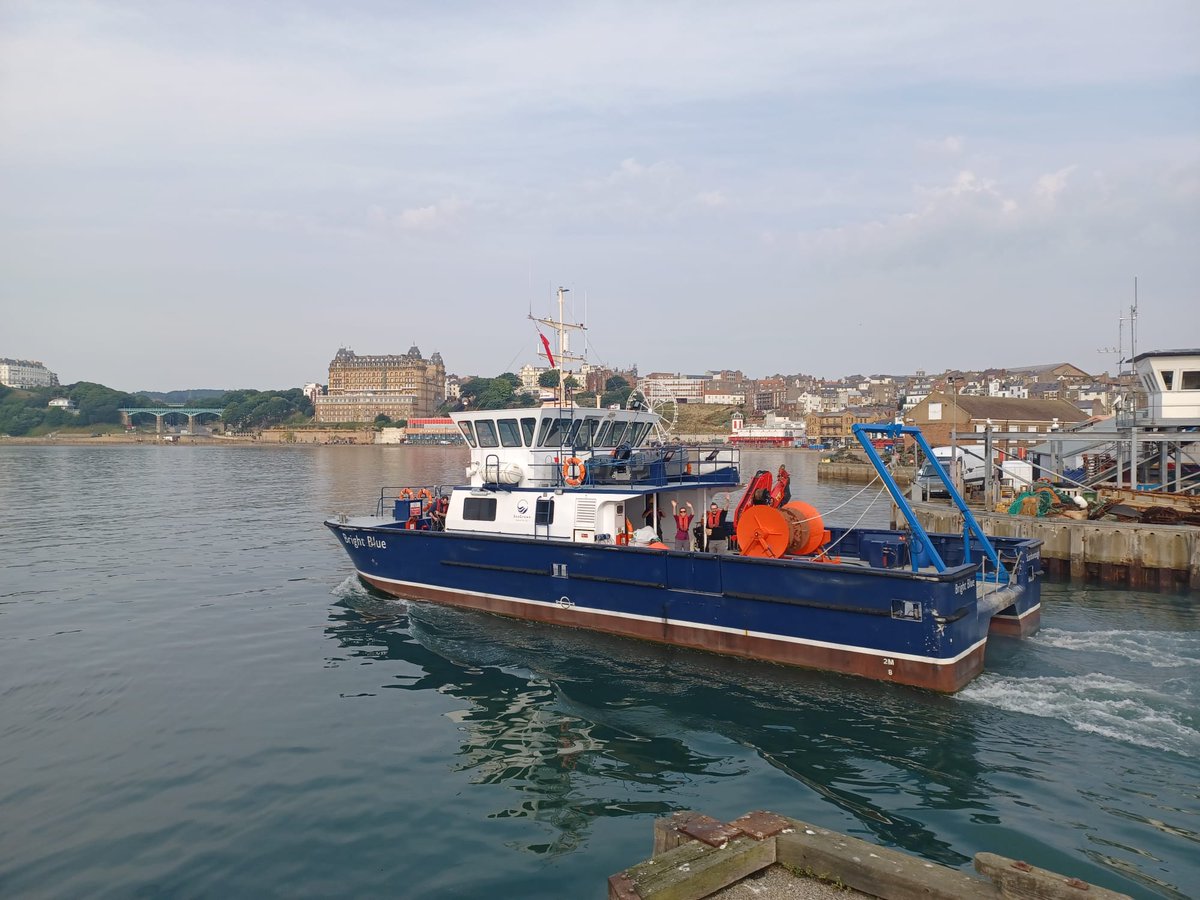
{"type": "Point", "coordinates": [970, 524]}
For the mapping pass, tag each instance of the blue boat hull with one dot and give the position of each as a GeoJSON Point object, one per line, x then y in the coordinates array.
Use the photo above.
{"type": "Point", "coordinates": [924, 629]}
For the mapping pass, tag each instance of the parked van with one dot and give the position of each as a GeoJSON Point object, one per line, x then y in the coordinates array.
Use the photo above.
{"type": "Point", "coordinates": [972, 468]}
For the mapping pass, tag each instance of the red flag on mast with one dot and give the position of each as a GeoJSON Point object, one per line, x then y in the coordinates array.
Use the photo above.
{"type": "Point", "coordinates": [546, 344]}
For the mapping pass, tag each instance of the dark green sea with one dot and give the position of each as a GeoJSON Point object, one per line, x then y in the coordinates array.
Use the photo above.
{"type": "Point", "coordinates": [197, 699]}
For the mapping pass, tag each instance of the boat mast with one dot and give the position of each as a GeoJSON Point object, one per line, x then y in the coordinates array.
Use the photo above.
{"type": "Point", "coordinates": [562, 328]}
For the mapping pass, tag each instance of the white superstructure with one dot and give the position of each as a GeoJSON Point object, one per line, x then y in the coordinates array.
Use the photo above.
{"type": "Point", "coordinates": [1172, 382]}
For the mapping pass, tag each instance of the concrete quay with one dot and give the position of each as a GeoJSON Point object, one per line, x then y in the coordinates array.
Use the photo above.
{"type": "Point", "coordinates": [861, 473]}
{"type": "Point", "coordinates": [1130, 554]}
{"type": "Point", "coordinates": [1125, 554]}
{"type": "Point", "coordinates": [771, 857]}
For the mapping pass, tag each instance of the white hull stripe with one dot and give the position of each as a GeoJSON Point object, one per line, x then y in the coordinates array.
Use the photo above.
{"type": "Point", "coordinates": [603, 613]}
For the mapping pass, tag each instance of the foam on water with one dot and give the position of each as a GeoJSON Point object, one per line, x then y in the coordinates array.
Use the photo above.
{"type": "Point", "coordinates": [355, 595]}
{"type": "Point", "coordinates": [1160, 649]}
{"type": "Point", "coordinates": [1096, 703]}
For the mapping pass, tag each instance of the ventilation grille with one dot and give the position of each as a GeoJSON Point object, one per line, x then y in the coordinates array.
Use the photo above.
{"type": "Point", "coordinates": [585, 512]}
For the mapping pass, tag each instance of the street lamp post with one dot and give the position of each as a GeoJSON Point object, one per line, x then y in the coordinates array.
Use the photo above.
{"type": "Point", "coordinates": [955, 468]}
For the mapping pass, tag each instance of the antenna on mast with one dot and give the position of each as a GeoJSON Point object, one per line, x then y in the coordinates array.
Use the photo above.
{"type": "Point", "coordinates": [562, 329]}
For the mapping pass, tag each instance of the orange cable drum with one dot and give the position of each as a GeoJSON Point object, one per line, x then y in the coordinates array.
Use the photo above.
{"type": "Point", "coordinates": [808, 529]}
{"type": "Point", "coordinates": [763, 531]}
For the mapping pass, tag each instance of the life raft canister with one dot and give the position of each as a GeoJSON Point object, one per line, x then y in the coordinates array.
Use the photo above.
{"type": "Point", "coordinates": [624, 537]}
{"type": "Point", "coordinates": [574, 471]}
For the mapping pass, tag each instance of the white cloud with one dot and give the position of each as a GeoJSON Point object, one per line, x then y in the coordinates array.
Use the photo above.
{"type": "Point", "coordinates": [973, 215]}
{"type": "Point", "coordinates": [951, 145]}
{"type": "Point", "coordinates": [435, 216]}
{"type": "Point", "coordinates": [1051, 185]}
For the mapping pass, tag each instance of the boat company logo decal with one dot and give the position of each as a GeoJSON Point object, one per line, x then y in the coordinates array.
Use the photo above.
{"type": "Point", "coordinates": [522, 507]}
{"type": "Point", "coordinates": [357, 542]}
{"type": "Point", "coordinates": [565, 603]}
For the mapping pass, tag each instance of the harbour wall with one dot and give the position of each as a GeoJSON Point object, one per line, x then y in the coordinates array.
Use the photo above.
{"type": "Point", "coordinates": [860, 473]}
{"type": "Point", "coordinates": [1131, 554]}
{"type": "Point", "coordinates": [317, 435]}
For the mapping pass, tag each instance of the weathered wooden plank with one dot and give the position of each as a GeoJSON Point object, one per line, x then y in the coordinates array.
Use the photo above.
{"type": "Point", "coordinates": [1021, 881]}
{"type": "Point", "coordinates": [884, 873]}
{"type": "Point", "coordinates": [694, 870]}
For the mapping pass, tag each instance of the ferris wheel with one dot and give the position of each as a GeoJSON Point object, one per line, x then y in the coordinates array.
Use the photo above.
{"type": "Point", "coordinates": [666, 410]}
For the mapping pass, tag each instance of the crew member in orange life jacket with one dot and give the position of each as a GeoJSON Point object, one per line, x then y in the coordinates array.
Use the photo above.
{"type": "Point", "coordinates": [438, 510]}
{"type": "Point", "coordinates": [683, 523]}
{"type": "Point", "coordinates": [716, 530]}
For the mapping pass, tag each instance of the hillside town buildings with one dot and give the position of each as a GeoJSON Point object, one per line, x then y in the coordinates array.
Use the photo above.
{"type": "Point", "coordinates": [362, 388]}
{"type": "Point", "coordinates": [940, 413]}
{"type": "Point", "coordinates": [25, 373]}
{"type": "Point", "coordinates": [1030, 399]}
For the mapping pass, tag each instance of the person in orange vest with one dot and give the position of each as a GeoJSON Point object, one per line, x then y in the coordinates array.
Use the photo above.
{"type": "Point", "coordinates": [716, 530]}
{"type": "Point", "coordinates": [683, 523]}
{"type": "Point", "coordinates": [441, 506]}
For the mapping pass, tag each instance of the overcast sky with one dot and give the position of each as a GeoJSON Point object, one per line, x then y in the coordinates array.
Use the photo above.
{"type": "Point", "coordinates": [220, 194]}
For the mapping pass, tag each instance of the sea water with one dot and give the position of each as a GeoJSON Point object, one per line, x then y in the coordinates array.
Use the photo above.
{"type": "Point", "coordinates": [197, 698]}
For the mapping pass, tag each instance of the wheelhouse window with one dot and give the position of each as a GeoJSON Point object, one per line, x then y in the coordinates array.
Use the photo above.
{"type": "Point", "coordinates": [1189, 380]}
{"type": "Point", "coordinates": [612, 437]}
{"type": "Point", "coordinates": [528, 427]}
{"type": "Point", "coordinates": [553, 432]}
{"type": "Point", "coordinates": [587, 432]}
{"type": "Point", "coordinates": [487, 433]}
{"type": "Point", "coordinates": [479, 509]}
{"type": "Point", "coordinates": [1168, 377]}
{"type": "Point", "coordinates": [573, 432]}
{"type": "Point", "coordinates": [638, 432]}
{"type": "Point", "coordinates": [468, 432]}
{"type": "Point", "coordinates": [510, 434]}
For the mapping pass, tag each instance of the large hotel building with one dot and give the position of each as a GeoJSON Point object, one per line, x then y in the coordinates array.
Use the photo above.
{"type": "Point", "coordinates": [25, 373]}
{"type": "Point", "coordinates": [399, 387]}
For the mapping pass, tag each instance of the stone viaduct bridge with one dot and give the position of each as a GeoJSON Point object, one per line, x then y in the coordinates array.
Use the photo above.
{"type": "Point", "coordinates": [193, 414]}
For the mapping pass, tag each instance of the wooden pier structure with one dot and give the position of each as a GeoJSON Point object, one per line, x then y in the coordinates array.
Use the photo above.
{"type": "Point", "coordinates": [696, 856]}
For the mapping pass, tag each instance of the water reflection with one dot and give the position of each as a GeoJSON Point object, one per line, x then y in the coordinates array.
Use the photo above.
{"type": "Point", "coordinates": [582, 726]}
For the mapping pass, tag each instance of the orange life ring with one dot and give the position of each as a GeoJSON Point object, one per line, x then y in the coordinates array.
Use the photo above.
{"type": "Point", "coordinates": [406, 494]}
{"type": "Point", "coordinates": [574, 471]}
{"type": "Point", "coordinates": [424, 494]}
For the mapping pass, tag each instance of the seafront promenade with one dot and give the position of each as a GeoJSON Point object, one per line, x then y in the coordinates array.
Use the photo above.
{"type": "Point", "coordinates": [271, 437]}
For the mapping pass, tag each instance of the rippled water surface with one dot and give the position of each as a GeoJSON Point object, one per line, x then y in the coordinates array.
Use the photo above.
{"type": "Point", "coordinates": [198, 699]}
